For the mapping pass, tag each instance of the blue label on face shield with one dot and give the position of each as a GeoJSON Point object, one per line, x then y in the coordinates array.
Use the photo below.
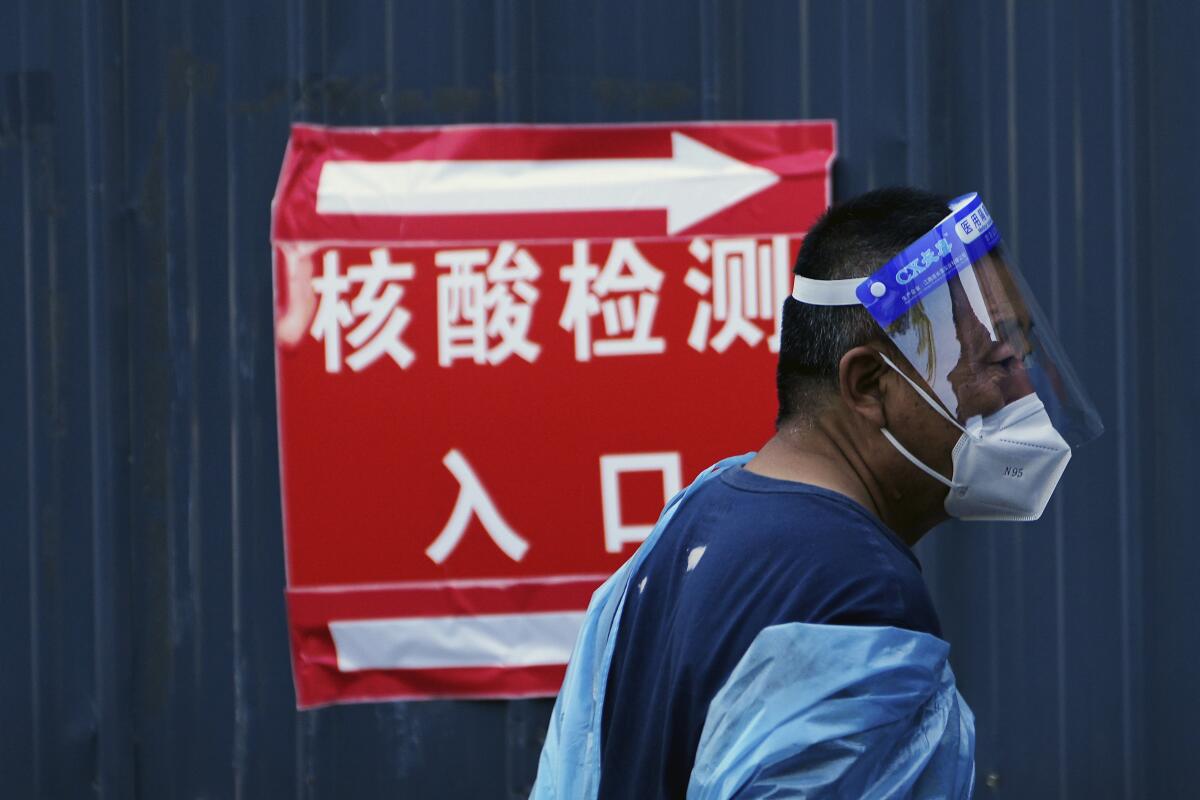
{"type": "Point", "coordinates": [964, 236]}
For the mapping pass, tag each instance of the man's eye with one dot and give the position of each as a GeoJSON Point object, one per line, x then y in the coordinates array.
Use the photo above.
{"type": "Point", "coordinates": [1011, 333]}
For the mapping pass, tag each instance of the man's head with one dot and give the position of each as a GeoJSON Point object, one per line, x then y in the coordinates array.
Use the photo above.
{"type": "Point", "coordinates": [850, 240]}
{"type": "Point", "coordinates": [894, 415]}
{"type": "Point", "coordinates": [831, 376]}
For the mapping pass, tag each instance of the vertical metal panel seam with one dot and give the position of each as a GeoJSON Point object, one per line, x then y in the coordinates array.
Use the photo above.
{"type": "Point", "coordinates": [389, 60]}
{"type": "Point", "coordinates": [125, 194]}
{"type": "Point", "coordinates": [293, 23]}
{"type": "Point", "coordinates": [995, 694]}
{"type": "Point", "coordinates": [846, 148]}
{"type": "Point", "coordinates": [1012, 226]}
{"type": "Point", "coordinates": [534, 107]}
{"type": "Point", "coordinates": [326, 67]}
{"type": "Point", "coordinates": [502, 60]}
{"type": "Point", "coordinates": [101, 587]}
{"type": "Point", "coordinates": [1124, 423]}
{"type": "Point", "coordinates": [174, 457]}
{"type": "Point", "coordinates": [637, 33]}
{"type": "Point", "coordinates": [1012, 231]}
{"type": "Point", "coordinates": [1060, 598]}
{"type": "Point", "coordinates": [803, 61]}
{"type": "Point", "coordinates": [917, 125]}
{"type": "Point", "coordinates": [240, 710]}
{"type": "Point", "coordinates": [1138, 20]}
{"type": "Point", "coordinates": [738, 63]}
{"type": "Point", "coordinates": [25, 134]}
{"type": "Point", "coordinates": [985, 108]}
{"type": "Point", "coordinates": [295, 55]}
{"type": "Point", "coordinates": [872, 152]}
{"type": "Point", "coordinates": [710, 61]}
{"type": "Point", "coordinates": [1077, 161]}
{"type": "Point", "coordinates": [457, 48]}
{"type": "Point", "coordinates": [195, 498]}
{"type": "Point", "coordinates": [909, 107]}
{"type": "Point", "coordinates": [454, 49]}
{"type": "Point", "coordinates": [1077, 174]}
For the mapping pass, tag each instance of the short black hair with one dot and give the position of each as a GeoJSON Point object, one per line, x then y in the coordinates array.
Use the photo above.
{"type": "Point", "coordinates": [850, 240]}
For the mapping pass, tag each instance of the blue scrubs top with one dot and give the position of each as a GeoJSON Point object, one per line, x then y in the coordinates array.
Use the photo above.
{"type": "Point", "coordinates": [745, 553]}
{"type": "Point", "coordinates": [811, 709]}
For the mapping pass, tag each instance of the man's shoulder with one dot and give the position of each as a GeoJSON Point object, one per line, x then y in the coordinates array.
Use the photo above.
{"type": "Point", "coordinates": [753, 518]}
{"type": "Point", "coordinates": [763, 551]}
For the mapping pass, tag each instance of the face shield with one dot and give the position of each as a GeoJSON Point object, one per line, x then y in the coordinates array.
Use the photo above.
{"type": "Point", "coordinates": [956, 307]}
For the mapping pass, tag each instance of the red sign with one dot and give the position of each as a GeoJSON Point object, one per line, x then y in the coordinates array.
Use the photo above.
{"type": "Point", "coordinates": [499, 351]}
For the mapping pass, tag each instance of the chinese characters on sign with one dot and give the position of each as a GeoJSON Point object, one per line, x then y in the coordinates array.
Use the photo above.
{"type": "Point", "coordinates": [494, 370]}
{"type": "Point", "coordinates": [374, 319]}
{"type": "Point", "coordinates": [477, 308]}
{"type": "Point", "coordinates": [486, 300]}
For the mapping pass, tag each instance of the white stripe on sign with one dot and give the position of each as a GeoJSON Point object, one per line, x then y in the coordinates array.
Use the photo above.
{"type": "Point", "coordinates": [490, 640]}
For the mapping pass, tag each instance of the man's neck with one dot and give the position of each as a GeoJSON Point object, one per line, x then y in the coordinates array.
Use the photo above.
{"type": "Point", "coordinates": [822, 455]}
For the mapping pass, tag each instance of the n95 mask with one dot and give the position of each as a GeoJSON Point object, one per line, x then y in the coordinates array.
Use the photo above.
{"type": "Point", "coordinates": [1006, 464]}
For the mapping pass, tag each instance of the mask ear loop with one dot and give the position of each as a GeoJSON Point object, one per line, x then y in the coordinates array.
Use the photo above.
{"type": "Point", "coordinates": [916, 462]}
{"type": "Point", "coordinates": [924, 394]}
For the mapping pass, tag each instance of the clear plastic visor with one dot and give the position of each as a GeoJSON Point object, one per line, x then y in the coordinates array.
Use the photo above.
{"type": "Point", "coordinates": [965, 320]}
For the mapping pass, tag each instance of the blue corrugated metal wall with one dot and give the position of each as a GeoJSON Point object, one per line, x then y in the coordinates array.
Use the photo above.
{"type": "Point", "coordinates": [145, 651]}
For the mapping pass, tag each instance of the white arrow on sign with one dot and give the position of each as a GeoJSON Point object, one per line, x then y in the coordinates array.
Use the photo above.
{"type": "Point", "coordinates": [693, 184]}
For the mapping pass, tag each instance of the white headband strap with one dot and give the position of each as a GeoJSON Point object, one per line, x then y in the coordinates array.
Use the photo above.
{"type": "Point", "coordinates": [826, 293]}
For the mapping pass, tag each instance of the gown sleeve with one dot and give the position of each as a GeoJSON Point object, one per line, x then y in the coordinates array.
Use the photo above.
{"type": "Point", "coordinates": [838, 711]}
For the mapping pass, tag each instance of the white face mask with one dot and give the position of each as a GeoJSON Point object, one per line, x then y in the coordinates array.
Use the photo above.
{"type": "Point", "coordinates": [1006, 464]}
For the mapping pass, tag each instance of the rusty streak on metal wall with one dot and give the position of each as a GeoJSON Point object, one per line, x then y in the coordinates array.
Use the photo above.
{"type": "Point", "coordinates": [145, 650]}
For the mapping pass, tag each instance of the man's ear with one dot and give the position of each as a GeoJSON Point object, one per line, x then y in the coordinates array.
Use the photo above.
{"type": "Point", "coordinates": [860, 375]}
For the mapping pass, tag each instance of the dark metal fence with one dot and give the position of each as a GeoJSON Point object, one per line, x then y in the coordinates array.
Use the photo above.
{"type": "Point", "coordinates": [144, 648]}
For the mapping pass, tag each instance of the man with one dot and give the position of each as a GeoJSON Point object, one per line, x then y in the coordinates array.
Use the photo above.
{"type": "Point", "coordinates": [774, 636]}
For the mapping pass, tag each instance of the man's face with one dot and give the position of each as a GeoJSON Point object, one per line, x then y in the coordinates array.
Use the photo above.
{"type": "Point", "coordinates": [990, 373]}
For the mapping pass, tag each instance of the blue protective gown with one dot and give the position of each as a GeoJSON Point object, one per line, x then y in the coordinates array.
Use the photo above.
{"type": "Point", "coordinates": [809, 711]}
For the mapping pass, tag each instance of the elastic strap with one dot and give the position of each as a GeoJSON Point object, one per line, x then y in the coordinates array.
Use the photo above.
{"type": "Point", "coordinates": [924, 394]}
{"type": "Point", "coordinates": [918, 463]}
{"type": "Point", "coordinates": [826, 293]}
